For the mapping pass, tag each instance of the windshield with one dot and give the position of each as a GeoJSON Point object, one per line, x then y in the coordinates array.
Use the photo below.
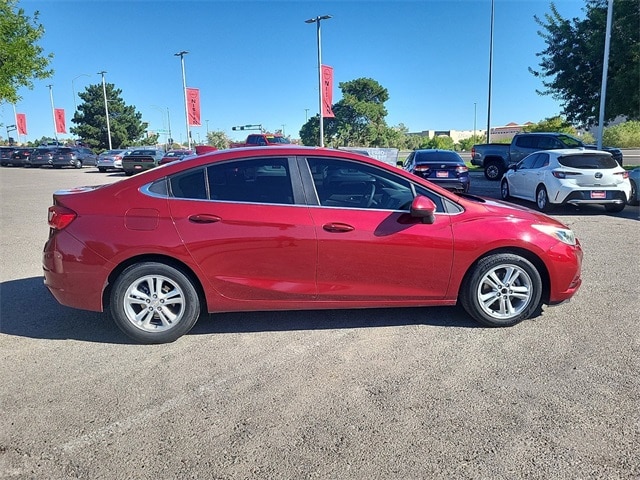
{"type": "Point", "coordinates": [588, 161]}
{"type": "Point", "coordinates": [569, 141]}
{"type": "Point", "coordinates": [277, 140]}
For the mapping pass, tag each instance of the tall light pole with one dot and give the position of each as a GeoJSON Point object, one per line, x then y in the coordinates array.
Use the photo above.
{"type": "Point", "coordinates": [53, 113]}
{"type": "Point", "coordinates": [73, 89]}
{"type": "Point", "coordinates": [475, 115]}
{"type": "Point", "coordinates": [168, 132]}
{"type": "Point", "coordinates": [106, 107]}
{"type": "Point", "coordinates": [317, 21]}
{"type": "Point", "coordinates": [184, 88]}
{"type": "Point", "coordinates": [605, 69]}
{"type": "Point", "coordinates": [490, 71]}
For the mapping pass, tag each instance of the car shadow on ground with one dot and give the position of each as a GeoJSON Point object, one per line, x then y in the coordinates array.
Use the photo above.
{"type": "Point", "coordinates": [29, 310]}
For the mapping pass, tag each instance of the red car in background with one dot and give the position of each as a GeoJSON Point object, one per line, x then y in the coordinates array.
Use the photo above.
{"type": "Point", "coordinates": [295, 228]}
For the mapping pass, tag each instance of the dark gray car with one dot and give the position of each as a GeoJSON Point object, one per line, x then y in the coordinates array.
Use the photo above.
{"type": "Point", "coordinates": [76, 157]}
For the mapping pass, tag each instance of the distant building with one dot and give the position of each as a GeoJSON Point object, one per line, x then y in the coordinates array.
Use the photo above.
{"type": "Point", "coordinates": [497, 133]}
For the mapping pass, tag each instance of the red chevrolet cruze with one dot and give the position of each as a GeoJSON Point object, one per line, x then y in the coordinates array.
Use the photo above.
{"type": "Point", "coordinates": [293, 228]}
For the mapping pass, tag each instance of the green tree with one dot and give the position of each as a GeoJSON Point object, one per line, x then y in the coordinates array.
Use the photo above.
{"type": "Point", "coordinates": [466, 144]}
{"type": "Point", "coordinates": [551, 124]}
{"type": "Point", "coordinates": [125, 123]}
{"type": "Point", "coordinates": [571, 65]}
{"type": "Point", "coordinates": [440, 142]}
{"type": "Point", "coordinates": [21, 58]}
{"type": "Point", "coordinates": [218, 139]}
{"type": "Point", "coordinates": [359, 117]}
{"type": "Point", "coordinates": [623, 135]}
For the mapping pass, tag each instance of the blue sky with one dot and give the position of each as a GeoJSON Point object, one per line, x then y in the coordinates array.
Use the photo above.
{"type": "Point", "coordinates": [256, 62]}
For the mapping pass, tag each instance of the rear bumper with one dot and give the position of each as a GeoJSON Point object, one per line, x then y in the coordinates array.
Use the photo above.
{"type": "Point", "coordinates": [593, 196]}
{"type": "Point", "coordinates": [73, 283]}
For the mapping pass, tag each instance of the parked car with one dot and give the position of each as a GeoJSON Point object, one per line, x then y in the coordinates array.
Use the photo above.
{"type": "Point", "coordinates": [76, 157]}
{"type": "Point", "coordinates": [5, 155]}
{"type": "Point", "coordinates": [572, 176]}
{"type": "Point", "coordinates": [41, 156]}
{"type": "Point", "coordinates": [444, 167]}
{"type": "Point", "coordinates": [495, 158]}
{"type": "Point", "coordinates": [140, 160]}
{"type": "Point", "coordinates": [111, 160]}
{"type": "Point", "coordinates": [634, 179]}
{"type": "Point", "coordinates": [297, 228]}
{"type": "Point", "coordinates": [20, 156]}
{"type": "Point", "coordinates": [173, 155]}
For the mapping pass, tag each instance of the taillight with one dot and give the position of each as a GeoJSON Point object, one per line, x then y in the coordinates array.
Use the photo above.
{"type": "Point", "coordinates": [422, 168]}
{"type": "Point", "coordinates": [624, 174]}
{"type": "Point", "coordinates": [564, 174]}
{"type": "Point", "coordinates": [60, 217]}
{"type": "Point", "coordinates": [461, 169]}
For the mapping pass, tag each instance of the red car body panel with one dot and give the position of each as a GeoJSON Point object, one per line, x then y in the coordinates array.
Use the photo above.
{"type": "Point", "coordinates": [274, 257]}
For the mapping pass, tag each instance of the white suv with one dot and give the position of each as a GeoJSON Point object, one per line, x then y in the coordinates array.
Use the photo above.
{"type": "Point", "coordinates": [570, 176]}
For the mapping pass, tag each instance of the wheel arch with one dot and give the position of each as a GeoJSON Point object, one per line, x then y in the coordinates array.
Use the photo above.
{"type": "Point", "coordinates": [535, 260]}
{"type": "Point", "coordinates": [170, 261]}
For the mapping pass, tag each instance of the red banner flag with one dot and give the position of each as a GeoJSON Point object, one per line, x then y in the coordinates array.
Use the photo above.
{"type": "Point", "coordinates": [327, 91]}
{"type": "Point", "coordinates": [193, 102]}
{"type": "Point", "coordinates": [21, 123]}
{"type": "Point", "coordinates": [60, 124]}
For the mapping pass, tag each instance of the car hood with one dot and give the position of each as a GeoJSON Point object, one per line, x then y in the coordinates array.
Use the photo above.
{"type": "Point", "coordinates": [498, 208]}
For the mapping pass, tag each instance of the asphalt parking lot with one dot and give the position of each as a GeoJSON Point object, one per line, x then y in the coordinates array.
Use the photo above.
{"type": "Point", "coordinates": [367, 394]}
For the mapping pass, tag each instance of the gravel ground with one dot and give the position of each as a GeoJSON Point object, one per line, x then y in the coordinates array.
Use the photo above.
{"type": "Point", "coordinates": [366, 394]}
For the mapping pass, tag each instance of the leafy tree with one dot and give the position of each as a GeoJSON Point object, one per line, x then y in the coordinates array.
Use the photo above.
{"type": "Point", "coordinates": [440, 142]}
{"type": "Point", "coordinates": [21, 58]}
{"type": "Point", "coordinates": [571, 65]}
{"type": "Point", "coordinates": [551, 124]}
{"type": "Point", "coordinates": [125, 123]}
{"type": "Point", "coordinates": [623, 135]}
{"type": "Point", "coordinates": [467, 143]}
{"type": "Point", "coordinates": [359, 117]}
{"type": "Point", "coordinates": [218, 139]}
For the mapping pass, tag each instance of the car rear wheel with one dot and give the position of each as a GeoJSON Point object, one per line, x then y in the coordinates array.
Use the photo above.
{"type": "Point", "coordinates": [102, 170]}
{"type": "Point", "coordinates": [504, 190]}
{"type": "Point", "coordinates": [542, 200]}
{"type": "Point", "coordinates": [492, 171]}
{"type": "Point", "coordinates": [614, 207]}
{"type": "Point", "coordinates": [78, 164]}
{"type": "Point", "coordinates": [154, 303]}
{"type": "Point", "coordinates": [502, 290]}
{"type": "Point", "coordinates": [633, 199]}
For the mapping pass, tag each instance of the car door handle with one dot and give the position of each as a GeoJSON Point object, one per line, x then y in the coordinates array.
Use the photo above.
{"type": "Point", "coordinates": [337, 227]}
{"type": "Point", "coordinates": [204, 218]}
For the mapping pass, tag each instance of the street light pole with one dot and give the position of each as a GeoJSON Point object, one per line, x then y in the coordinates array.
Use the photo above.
{"type": "Point", "coordinates": [53, 113]}
{"type": "Point", "coordinates": [317, 21]}
{"type": "Point", "coordinates": [475, 115]}
{"type": "Point", "coordinates": [73, 89]}
{"type": "Point", "coordinates": [106, 107]}
{"type": "Point", "coordinates": [184, 88]}
{"type": "Point", "coordinates": [490, 71]}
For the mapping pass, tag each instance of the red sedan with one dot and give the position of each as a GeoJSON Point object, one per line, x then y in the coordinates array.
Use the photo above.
{"type": "Point", "coordinates": [297, 228]}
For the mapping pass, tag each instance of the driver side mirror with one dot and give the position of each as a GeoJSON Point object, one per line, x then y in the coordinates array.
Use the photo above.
{"type": "Point", "coordinates": [424, 209]}
{"type": "Point", "coordinates": [512, 166]}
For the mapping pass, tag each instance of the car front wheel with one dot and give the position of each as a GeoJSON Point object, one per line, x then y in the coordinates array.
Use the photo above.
{"type": "Point", "coordinates": [502, 290]}
{"type": "Point", "coordinates": [154, 303]}
{"type": "Point", "coordinates": [504, 190]}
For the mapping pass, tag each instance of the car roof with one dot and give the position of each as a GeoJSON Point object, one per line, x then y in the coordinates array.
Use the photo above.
{"type": "Point", "coordinates": [574, 151]}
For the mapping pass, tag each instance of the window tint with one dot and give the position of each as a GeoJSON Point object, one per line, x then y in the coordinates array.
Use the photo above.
{"type": "Point", "coordinates": [528, 162]}
{"type": "Point", "coordinates": [189, 184]}
{"type": "Point", "coordinates": [347, 184]}
{"type": "Point", "coordinates": [588, 161]}
{"type": "Point", "coordinates": [525, 142]}
{"type": "Point", "coordinates": [569, 142]}
{"type": "Point", "coordinates": [260, 180]}
{"type": "Point", "coordinates": [542, 160]}
{"type": "Point", "coordinates": [437, 156]}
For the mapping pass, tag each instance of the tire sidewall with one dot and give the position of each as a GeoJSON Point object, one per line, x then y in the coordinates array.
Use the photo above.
{"type": "Point", "coordinates": [192, 302]}
{"type": "Point", "coordinates": [469, 289]}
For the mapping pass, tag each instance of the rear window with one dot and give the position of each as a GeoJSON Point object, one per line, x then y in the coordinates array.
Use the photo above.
{"type": "Point", "coordinates": [588, 161]}
{"type": "Point", "coordinates": [437, 157]}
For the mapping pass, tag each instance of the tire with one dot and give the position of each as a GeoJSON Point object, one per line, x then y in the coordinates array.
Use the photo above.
{"type": "Point", "coordinates": [502, 290]}
{"type": "Point", "coordinates": [153, 302]}
{"type": "Point", "coordinates": [102, 170]}
{"type": "Point", "coordinates": [633, 200]}
{"type": "Point", "coordinates": [504, 190]}
{"type": "Point", "coordinates": [493, 171]}
{"type": "Point", "coordinates": [4, 164]}
{"type": "Point", "coordinates": [614, 207]}
{"type": "Point", "coordinates": [78, 164]}
{"type": "Point", "coordinates": [542, 199]}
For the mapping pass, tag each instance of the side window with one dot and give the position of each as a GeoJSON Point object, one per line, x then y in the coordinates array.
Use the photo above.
{"type": "Point", "coordinates": [547, 143]}
{"type": "Point", "coordinates": [347, 184]}
{"type": "Point", "coordinates": [259, 180]}
{"type": "Point", "coordinates": [528, 162]}
{"type": "Point", "coordinates": [190, 184]}
{"type": "Point", "coordinates": [525, 142]}
{"type": "Point", "coordinates": [542, 160]}
{"type": "Point", "coordinates": [252, 140]}
{"type": "Point", "coordinates": [408, 162]}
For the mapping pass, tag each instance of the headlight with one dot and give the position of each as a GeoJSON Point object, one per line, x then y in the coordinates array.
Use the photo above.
{"type": "Point", "coordinates": [565, 235]}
